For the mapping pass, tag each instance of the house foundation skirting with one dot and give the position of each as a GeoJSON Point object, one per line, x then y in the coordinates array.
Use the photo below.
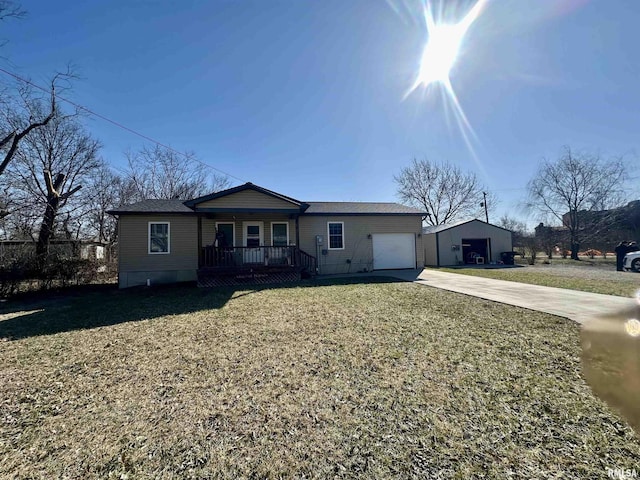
{"type": "Point", "coordinates": [137, 278]}
{"type": "Point", "coordinates": [208, 278]}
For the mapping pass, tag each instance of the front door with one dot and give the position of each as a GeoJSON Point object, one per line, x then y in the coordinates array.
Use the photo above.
{"type": "Point", "coordinates": [253, 240]}
{"type": "Point", "coordinates": [225, 237]}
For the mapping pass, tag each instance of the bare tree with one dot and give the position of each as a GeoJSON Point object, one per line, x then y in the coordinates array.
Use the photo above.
{"type": "Point", "coordinates": [5, 199]}
{"type": "Point", "coordinates": [25, 112]}
{"type": "Point", "coordinates": [55, 198]}
{"type": "Point", "coordinates": [574, 185]}
{"type": "Point", "coordinates": [531, 246]}
{"type": "Point", "coordinates": [9, 9]}
{"type": "Point", "coordinates": [49, 169]}
{"type": "Point", "coordinates": [444, 191]}
{"type": "Point", "coordinates": [517, 228]}
{"type": "Point", "coordinates": [549, 238]}
{"type": "Point", "coordinates": [164, 174]}
{"type": "Point", "coordinates": [218, 183]}
{"type": "Point", "coordinates": [11, 139]}
{"type": "Point", "coordinates": [105, 191]}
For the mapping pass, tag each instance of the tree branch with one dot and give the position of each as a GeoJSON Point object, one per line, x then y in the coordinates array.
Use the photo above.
{"type": "Point", "coordinates": [70, 192]}
{"type": "Point", "coordinates": [49, 182]}
{"type": "Point", "coordinates": [15, 137]}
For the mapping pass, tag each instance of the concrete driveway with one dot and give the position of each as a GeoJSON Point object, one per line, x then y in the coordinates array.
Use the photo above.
{"type": "Point", "coordinates": [577, 306]}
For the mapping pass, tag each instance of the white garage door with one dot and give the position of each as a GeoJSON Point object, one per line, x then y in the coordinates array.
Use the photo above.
{"type": "Point", "coordinates": [394, 250]}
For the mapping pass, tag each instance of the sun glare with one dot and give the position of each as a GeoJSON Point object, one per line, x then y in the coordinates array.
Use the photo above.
{"type": "Point", "coordinates": [440, 53]}
{"type": "Point", "coordinates": [444, 40]}
{"type": "Point", "coordinates": [443, 44]}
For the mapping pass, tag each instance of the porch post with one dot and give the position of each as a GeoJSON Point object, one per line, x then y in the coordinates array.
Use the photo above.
{"type": "Point", "coordinates": [297, 232]}
{"type": "Point", "coordinates": [199, 241]}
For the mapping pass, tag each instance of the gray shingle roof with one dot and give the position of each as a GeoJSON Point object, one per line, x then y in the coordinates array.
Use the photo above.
{"type": "Point", "coordinates": [153, 206]}
{"type": "Point", "coordinates": [315, 208]}
{"type": "Point", "coordinates": [360, 208]}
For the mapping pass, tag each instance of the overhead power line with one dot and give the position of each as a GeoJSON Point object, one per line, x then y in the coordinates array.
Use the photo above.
{"type": "Point", "coordinates": [117, 124]}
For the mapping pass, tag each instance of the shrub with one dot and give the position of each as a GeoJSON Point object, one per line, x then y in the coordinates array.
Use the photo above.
{"type": "Point", "coordinates": [14, 271]}
{"type": "Point", "coordinates": [50, 272]}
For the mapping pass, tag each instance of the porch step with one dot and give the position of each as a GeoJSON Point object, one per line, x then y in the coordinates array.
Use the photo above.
{"type": "Point", "coordinates": [227, 277]}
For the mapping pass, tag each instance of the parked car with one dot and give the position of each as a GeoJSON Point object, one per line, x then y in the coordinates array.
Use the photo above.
{"type": "Point", "coordinates": [632, 261]}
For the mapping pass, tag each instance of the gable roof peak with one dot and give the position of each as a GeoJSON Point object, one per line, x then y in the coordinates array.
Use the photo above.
{"type": "Point", "coordinates": [240, 188]}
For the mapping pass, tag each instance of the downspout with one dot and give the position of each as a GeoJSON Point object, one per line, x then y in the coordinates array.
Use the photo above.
{"type": "Point", "coordinates": [199, 241]}
{"type": "Point", "coordinates": [437, 249]}
{"type": "Point", "coordinates": [119, 253]}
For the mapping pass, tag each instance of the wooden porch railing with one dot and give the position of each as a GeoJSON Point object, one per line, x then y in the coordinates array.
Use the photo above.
{"type": "Point", "coordinates": [307, 262]}
{"type": "Point", "coordinates": [229, 257]}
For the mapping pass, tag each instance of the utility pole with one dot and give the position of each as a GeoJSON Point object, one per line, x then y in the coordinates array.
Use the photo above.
{"type": "Point", "coordinates": [484, 204]}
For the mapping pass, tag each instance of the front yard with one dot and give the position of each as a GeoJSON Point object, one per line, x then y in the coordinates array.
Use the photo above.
{"type": "Point", "coordinates": [375, 380]}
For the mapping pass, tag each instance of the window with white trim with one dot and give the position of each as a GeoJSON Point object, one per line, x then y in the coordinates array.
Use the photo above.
{"type": "Point", "coordinates": [159, 237]}
{"type": "Point", "coordinates": [335, 234]}
{"type": "Point", "coordinates": [279, 234]}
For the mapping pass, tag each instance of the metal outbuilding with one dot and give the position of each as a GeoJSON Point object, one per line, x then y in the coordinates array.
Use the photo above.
{"type": "Point", "coordinates": [464, 243]}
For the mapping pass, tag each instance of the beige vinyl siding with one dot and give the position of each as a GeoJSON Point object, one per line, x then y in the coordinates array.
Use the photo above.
{"type": "Point", "coordinates": [209, 230]}
{"type": "Point", "coordinates": [430, 250]}
{"type": "Point", "coordinates": [357, 247]}
{"type": "Point", "coordinates": [247, 199]}
{"type": "Point", "coordinates": [135, 264]}
{"type": "Point", "coordinates": [500, 241]}
{"type": "Point", "coordinates": [209, 226]}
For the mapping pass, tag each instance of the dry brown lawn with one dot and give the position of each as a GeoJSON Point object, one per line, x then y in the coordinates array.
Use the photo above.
{"type": "Point", "coordinates": [369, 380]}
{"type": "Point", "coordinates": [581, 276]}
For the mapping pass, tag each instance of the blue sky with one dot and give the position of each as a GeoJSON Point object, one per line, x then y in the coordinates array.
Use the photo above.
{"type": "Point", "coordinates": [308, 97]}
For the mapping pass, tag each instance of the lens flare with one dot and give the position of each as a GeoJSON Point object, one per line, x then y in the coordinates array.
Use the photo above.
{"type": "Point", "coordinates": [438, 58]}
{"type": "Point", "coordinates": [443, 45]}
{"type": "Point", "coordinates": [632, 326]}
{"type": "Point", "coordinates": [440, 54]}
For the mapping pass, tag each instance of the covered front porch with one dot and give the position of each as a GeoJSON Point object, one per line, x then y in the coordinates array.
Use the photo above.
{"type": "Point", "coordinates": [250, 248]}
{"type": "Point", "coordinates": [261, 265]}
{"type": "Point", "coordinates": [249, 234]}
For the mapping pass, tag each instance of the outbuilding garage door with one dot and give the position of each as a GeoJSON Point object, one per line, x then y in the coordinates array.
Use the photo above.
{"type": "Point", "coordinates": [394, 250]}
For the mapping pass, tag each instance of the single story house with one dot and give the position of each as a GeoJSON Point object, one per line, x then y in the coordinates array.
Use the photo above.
{"type": "Point", "coordinates": [250, 233]}
{"type": "Point", "coordinates": [463, 243]}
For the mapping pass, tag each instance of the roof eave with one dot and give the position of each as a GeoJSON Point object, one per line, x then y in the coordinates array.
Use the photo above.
{"type": "Point", "coordinates": [143, 212]}
{"type": "Point", "coordinates": [357, 214]}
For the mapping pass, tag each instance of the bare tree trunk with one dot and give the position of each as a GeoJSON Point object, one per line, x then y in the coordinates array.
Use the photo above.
{"type": "Point", "coordinates": [53, 203]}
{"type": "Point", "coordinates": [575, 246]}
{"type": "Point", "coordinates": [46, 229]}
